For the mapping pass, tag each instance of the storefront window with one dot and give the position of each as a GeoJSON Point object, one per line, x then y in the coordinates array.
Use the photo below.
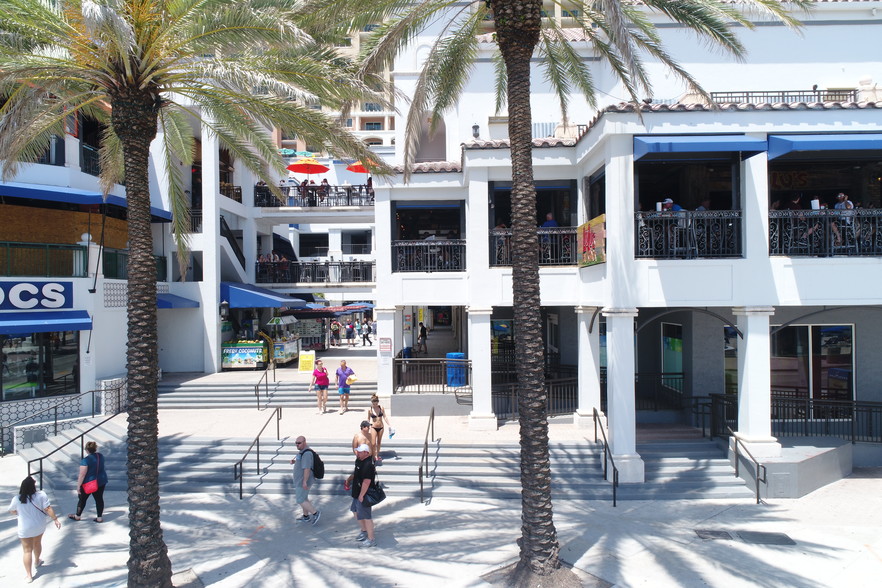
{"type": "Point", "coordinates": [39, 364]}
{"type": "Point", "coordinates": [813, 361]}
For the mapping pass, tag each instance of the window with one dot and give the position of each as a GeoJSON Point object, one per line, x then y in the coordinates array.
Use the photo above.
{"type": "Point", "coordinates": [39, 364]}
{"type": "Point", "coordinates": [313, 245]}
{"type": "Point", "coordinates": [813, 361]}
{"type": "Point", "coordinates": [349, 123]}
{"type": "Point", "coordinates": [373, 126]}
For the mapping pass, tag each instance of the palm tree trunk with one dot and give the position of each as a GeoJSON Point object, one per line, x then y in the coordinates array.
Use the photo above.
{"type": "Point", "coordinates": [517, 31]}
{"type": "Point", "coordinates": [134, 120]}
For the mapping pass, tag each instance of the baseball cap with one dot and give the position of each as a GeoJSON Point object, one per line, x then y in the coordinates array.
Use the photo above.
{"type": "Point", "coordinates": [667, 201]}
{"type": "Point", "coordinates": [363, 447]}
{"type": "Point", "coordinates": [365, 424]}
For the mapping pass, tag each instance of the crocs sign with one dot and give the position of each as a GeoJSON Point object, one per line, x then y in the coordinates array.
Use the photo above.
{"type": "Point", "coordinates": [36, 295]}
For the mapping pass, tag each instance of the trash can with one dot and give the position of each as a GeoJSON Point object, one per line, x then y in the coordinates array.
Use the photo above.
{"type": "Point", "coordinates": [407, 352]}
{"type": "Point", "coordinates": [456, 370]}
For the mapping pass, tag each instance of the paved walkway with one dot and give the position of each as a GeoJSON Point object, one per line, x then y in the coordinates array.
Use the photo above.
{"type": "Point", "coordinates": [836, 532]}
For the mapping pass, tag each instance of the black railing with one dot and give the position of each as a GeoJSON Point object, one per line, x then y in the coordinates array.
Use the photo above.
{"type": "Point", "coordinates": [852, 420]}
{"type": "Point", "coordinates": [422, 375]}
{"type": "Point", "coordinates": [687, 234]}
{"type": "Point", "coordinates": [607, 454]}
{"type": "Point", "coordinates": [432, 255]}
{"type": "Point", "coordinates": [264, 381]}
{"type": "Point", "coordinates": [227, 233]}
{"type": "Point", "coordinates": [232, 192]}
{"type": "Point", "coordinates": [264, 198]}
{"type": "Point", "coordinates": [238, 467]}
{"type": "Point", "coordinates": [316, 195]}
{"type": "Point", "coordinates": [826, 233]}
{"type": "Point", "coordinates": [328, 272]}
{"type": "Point", "coordinates": [43, 259]}
{"type": "Point", "coordinates": [759, 470]}
{"type": "Point", "coordinates": [659, 391]}
{"type": "Point", "coordinates": [556, 246]}
{"type": "Point", "coordinates": [90, 161]}
{"type": "Point", "coordinates": [424, 459]}
{"type": "Point", "coordinates": [561, 397]}
{"type": "Point", "coordinates": [786, 96]}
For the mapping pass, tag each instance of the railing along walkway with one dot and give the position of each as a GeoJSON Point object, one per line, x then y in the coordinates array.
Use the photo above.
{"type": "Point", "coordinates": [825, 233]}
{"type": "Point", "coordinates": [607, 455]}
{"type": "Point", "coordinates": [555, 246]}
{"type": "Point", "coordinates": [687, 234]}
{"type": "Point", "coordinates": [757, 466]}
{"type": "Point", "coordinates": [424, 459]}
{"type": "Point", "coordinates": [314, 196]}
{"type": "Point", "coordinates": [238, 467]}
{"type": "Point", "coordinates": [327, 272]}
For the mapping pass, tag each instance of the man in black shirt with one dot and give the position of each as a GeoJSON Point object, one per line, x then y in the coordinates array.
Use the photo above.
{"type": "Point", "coordinates": [362, 478]}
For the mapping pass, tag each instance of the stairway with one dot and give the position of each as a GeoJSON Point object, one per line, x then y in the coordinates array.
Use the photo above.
{"type": "Point", "coordinates": [285, 394]}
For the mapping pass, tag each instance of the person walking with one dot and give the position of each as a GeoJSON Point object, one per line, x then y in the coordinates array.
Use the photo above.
{"type": "Point", "coordinates": [363, 437]}
{"type": "Point", "coordinates": [304, 475]}
{"type": "Point", "coordinates": [364, 475]}
{"type": "Point", "coordinates": [366, 334]}
{"type": "Point", "coordinates": [33, 511]}
{"type": "Point", "coordinates": [320, 381]}
{"type": "Point", "coordinates": [377, 416]}
{"type": "Point", "coordinates": [345, 378]}
{"type": "Point", "coordinates": [422, 338]}
{"type": "Point", "coordinates": [91, 468]}
{"type": "Point", "coordinates": [350, 333]}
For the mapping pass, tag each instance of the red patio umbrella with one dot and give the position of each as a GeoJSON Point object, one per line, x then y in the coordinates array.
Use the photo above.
{"type": "Point", "coordinates": [358, 167]}
{"type": "Point", "coordinates": [308, 165]}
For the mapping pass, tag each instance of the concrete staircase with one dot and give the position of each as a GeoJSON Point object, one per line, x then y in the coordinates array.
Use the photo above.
{"type": "Point", "coordinates": [239, 396]}
{"type": "Point", "coordinates": [674, 469]}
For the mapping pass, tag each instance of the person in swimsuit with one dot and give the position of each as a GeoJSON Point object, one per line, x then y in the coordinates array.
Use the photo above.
{"type": "Point", "coordinates": [376, 415]}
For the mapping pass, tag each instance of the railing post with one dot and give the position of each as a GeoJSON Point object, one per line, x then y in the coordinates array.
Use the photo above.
{"type": "Point", "coordinates": [258, 455]}
{"type": "Point", "coordinates": [55, 423]}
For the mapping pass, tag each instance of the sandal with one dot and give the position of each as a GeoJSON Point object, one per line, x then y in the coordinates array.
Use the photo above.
{"type": "Point", "coordinates": [73, 517]}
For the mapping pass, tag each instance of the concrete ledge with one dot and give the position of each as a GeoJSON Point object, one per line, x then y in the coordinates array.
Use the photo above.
{"type": "Point", "coordinates": [421, 405]}
{"type": "Point", "coordinates": [805, 464]}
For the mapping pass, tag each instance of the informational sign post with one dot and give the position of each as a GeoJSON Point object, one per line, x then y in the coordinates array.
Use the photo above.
{"type": "Point", "coordinates": [306, 363]}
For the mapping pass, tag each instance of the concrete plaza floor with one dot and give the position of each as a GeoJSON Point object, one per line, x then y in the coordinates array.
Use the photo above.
{"type": "Point", "coordinates": [835, 534]}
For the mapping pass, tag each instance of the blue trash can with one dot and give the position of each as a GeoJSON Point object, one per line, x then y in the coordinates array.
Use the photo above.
{"type": "Point", "coordinates": [456, 370]}
{"type": "Point", "coordinates": [407, 352]}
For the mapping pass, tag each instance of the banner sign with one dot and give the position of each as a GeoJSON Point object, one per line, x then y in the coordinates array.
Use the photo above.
{"type": "Point", "coordinates": [36, 295]}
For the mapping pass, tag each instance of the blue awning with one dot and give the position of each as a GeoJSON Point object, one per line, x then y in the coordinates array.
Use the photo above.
{"type": "Point", "coordinates": [659, 147]}
{"type": "Point", "coordinates": [166, 300]}
{"type": "Point", "coordinates": [250, 296]}
{"type": "Point", "coordinates": [22, 323]}
{"type": "Point", "coordinates": [783, 144]}
{"type": "Point", "coordinates": [70, 195]}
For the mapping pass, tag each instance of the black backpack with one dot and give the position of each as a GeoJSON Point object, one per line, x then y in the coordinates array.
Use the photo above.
{"type": "Point", "coordinates": [318, 466]}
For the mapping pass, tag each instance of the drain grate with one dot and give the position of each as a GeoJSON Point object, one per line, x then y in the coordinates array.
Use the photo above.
{"type": "Point", "coordinates": [710, 535]}
{"type": "Point", "coordinates": [760, 538]}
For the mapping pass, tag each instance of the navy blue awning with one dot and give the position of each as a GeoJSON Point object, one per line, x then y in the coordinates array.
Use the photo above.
{"type": "Point", "coordinates": [22, 323]}
{"type": "Point", "coordinates": [166, 300]}
{"type": "Point", "coordinates": [70, 195]}
{"type": "Point", "coordinates": [250, 296]}
{"type": "Point", "coordinates": [783, 144]}
{"type": "Point", "coordinates": [659, 147]}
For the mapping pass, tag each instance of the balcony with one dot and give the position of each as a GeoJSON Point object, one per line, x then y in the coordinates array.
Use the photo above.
{"type": "Point", "coordinates": [90, 161]}
{"type": "Point", "coordinates": [430, 255]}
{"type": "Point", "coordinates": [51, 260]}
{"type": "Point", "coordinates": [688, 234]}
{"type": "Point", "coordinates": [786, 96]}
{"type": "Point", "coordinates": [232, 192]}
{"type": "Point", "coordinates": [327, 272]}
{"type": "Point", "coordinates": [316, 195]}
{"type": "Point", "coordinates": [825, 233]}
{"type": "Point", "coordinates": [115, 264]}
{"type": "Point", "coordinates": [556, 246]}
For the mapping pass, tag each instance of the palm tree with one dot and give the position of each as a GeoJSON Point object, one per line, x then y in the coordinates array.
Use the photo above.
{"type": "Point", "coordinates": [620, 34]}
{"type": "Point", "coordinates": [143, 66]}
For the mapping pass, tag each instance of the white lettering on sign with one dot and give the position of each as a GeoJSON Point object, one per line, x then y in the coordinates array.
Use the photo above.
{"type": "Point", "coordinates": [35, 295]}
{"type": "Point", "coordinates": [16, 292]}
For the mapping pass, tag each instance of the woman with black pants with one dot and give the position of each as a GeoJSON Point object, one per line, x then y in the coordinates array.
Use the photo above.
{"type": "Point", "coordinates": [91, 468]}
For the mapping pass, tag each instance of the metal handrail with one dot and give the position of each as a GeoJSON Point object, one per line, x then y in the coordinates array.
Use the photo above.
{"type": "Point", "coordinates": [239, 465]}
{"type": "Point", "coordinates": [264, 379]}
{"type": "Point", "coordinates": [54, 410]}
{"type": "Point", "coordinates": [607, 456]}
{"type": "Point", "coordinates": [424, 460]}
{"type": "Point", "coordinates": [757, 465]}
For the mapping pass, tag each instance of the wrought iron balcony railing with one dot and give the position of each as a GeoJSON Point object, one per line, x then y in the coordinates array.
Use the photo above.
{"type": "Point", "coordinates": [43, 259]}
{"type": "Point", "coordinates": [826, 233]}
{"type": "Point", "coordinates": [316, 195]}
{"type": "Point", "coordinates": [432, 255]}
{"type": "Point", "coordinates": [787, 96]}
{"type": "Point", "coordinates": [686, 234]}
{"type": "Point", "coordinates": [328, 272]}
{"type": "Point", "coordinates": [556, 246]}
{"type": "Point", "coordinates": [232, 192]}
{"type": "Point", "coordinates": [115, 265]}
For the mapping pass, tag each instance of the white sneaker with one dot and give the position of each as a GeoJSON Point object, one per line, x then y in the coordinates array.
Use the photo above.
{"type": "Point", "coordinates": [368, 543]}
{"type": "Point", "coordinates": [361, 536]}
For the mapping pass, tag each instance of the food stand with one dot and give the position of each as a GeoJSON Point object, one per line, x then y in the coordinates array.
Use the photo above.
{"type": "Point", "coordinates": [286, 345]}
{"type": "Point", "coordinates": [243, 355]}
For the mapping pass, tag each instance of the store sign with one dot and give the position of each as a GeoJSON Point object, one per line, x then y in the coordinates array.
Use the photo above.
{"type": "Point", "coordinates": [36, 295]}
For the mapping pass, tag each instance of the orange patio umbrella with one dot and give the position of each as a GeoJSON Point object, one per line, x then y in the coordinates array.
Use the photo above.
{"type": "Point", "coordinates": [358, 167]}
{"type": "Point", "coordinates": [308, 165]}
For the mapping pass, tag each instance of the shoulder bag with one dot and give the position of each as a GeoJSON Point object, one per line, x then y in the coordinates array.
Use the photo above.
{"type": "Point", "coordinates": [375, 494]}
{"type": "Point", "coordinates": [91, 486]}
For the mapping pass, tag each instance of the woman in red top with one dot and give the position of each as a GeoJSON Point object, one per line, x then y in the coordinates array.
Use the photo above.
{"type": "Point", "coordinates": [320, 381]}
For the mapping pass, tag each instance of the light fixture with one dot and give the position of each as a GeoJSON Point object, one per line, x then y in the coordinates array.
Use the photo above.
{"type": "Point", "coordinates": [224, 309]}
{"type": "Point", "coordinates": [476, 131]}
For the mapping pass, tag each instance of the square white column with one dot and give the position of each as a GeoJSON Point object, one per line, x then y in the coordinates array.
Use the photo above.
{"type": "Point", "coordinates": [388, 342]}
{"type": "Point", "coordinates": [588, 366]}
{"type": "Point", "coordinates": [621, 405]}
{"type": "Point", "coordinates": [211, 265]}
{"type": "Point", "coordinates": [482, 417]}
{"type": "Point", "coordinates": [755, 381]}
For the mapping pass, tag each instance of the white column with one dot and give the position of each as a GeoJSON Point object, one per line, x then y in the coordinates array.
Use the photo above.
{"type": "Point", "coordinates": [755, 381]}
{"type": "Point", "coordinates": [589, 367]}
{"type": "Point", "coordinates": [621, 410]}
{"type": "Point", "coordinates": [211, 266]}
{"type": "Point", "coordinates": [335, 244]}
{"type": "Point", "coordinates": [388, 331]}
{"type": "Point", "coordinates": [482, 417]}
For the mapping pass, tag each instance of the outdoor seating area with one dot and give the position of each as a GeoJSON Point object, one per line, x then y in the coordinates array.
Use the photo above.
{"type": "Point", "coordinates": [315, 195]}
{"type": "Point", "coordinates": [688, 234]}
{"type": "Point", "coordinates": [825, 232]}
{"type": "Point", "coordinates": [556, 246]}
{"type": "Point", "coordinates": [286, 272]}
{"type": "Point", "coordinates": [433, 255]}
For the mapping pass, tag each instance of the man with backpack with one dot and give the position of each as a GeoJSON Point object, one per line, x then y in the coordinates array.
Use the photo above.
{"type": "Point", "coordinates": [308, 467]}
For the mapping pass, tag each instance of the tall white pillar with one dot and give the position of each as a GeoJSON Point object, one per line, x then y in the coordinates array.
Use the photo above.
{"type": "Point", "coordinates": [621, 406]}
{"type": "Point", "coordinates": [755, 381]}
{"type": "Point", "coordinates": [482, 417]}
{"type": "Point", "coordinates": [211, 265]}
{"type": "Point", "coordinates": [588, 366]}
{"type": "Point", "coordinates": [387, 347]}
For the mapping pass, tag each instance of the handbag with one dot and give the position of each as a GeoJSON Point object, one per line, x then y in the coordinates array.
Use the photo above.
{"type": "Point", "coordinates": [375, 495]}
{"type": "Point", "coordinates": [91, 486]}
